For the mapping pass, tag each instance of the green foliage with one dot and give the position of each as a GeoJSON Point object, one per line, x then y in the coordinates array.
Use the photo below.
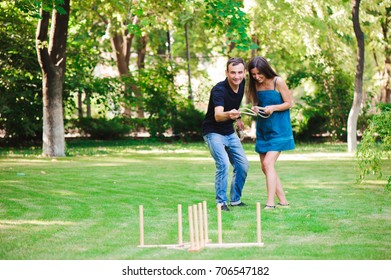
{"type": "Point", "coordinates": [101, 94]}
{"type": "Point", "coordinates": [32, 8]}
{"type": "Point", "coordinates": [159, 95]}
{"type": "Point", "coordinates": [325, 110]}
{"type": "Point", "coordinates": [376, 145]}
{"type": "Point", "coordinates": [101, 128]}
{"type": "Point", "coordinates": [228, 17]}
{"type": "Point", "coordinates": [20, 77]}
{"type": "Point", "coordinates": [82, 80]}
{"type": "Point", "coordinates": [312, 125]}
{"type": "Point", "coordinates": [187, 122]}
{"type": "Point", "coordinates": [306, 41]}
{"type": "Point", "coordinates": [165, 109]}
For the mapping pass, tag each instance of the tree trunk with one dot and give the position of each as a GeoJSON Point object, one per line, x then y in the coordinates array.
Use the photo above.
{"type": "Point", "coordinates": [190, 97]}
{"type": "Point", "coordinates": [386, 75]}
{"type": "Point", "coordinates": [358, 81]}
{"type": "Point", "coordinates": [141, 52]}
{"type": "Point", "coordinates": [121, 44]}
{"type": "Point", "coordinates": [255, 40]}
{"type": "Point", "coordinates": [88, 104]}
{"type": "Point", "coordinates": [386, 84]}
{"type": "Point", "coordinates": [169, 54]}
{"type": "Point", "coordinates": [52, 57]}
{"type": "Point", "coordinates": [80, 105]}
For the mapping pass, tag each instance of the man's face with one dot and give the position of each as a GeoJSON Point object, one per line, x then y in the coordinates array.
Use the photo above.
{"type": "Point", "coordinates": [235, 74]}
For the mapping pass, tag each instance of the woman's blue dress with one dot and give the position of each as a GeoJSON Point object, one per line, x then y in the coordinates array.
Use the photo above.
{"type": "Point", "coordinates": [275, 132]}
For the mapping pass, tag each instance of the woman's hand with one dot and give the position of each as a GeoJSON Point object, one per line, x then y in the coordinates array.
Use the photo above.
{"type": "Point", "coordinates": [269, 110]}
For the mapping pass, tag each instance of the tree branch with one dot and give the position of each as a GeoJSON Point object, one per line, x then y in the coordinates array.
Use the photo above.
{"type": "Point", "coordinates": [41, 40]}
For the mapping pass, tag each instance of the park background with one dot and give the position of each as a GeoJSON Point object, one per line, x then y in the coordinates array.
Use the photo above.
{"type": "Point", "coordinates": [101, 104]}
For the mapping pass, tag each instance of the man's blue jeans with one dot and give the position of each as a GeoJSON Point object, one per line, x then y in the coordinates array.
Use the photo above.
{"type": "Point", "coordinates": [226, 150]}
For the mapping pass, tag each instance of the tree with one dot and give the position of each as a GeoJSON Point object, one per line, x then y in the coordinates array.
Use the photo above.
{"type": "Point", "coordinates": [386, 75]}
{"type": "Point", "coordinates": [376, 18]}
{"type": "Point", "coordinates": [124, 22]}
{"type": "Point", "coordinates": [231, 22]}
{"type": "Point", "coordinates": [20, 77]}
{"type": "Point", "coordinates": [358, 81]}
{"type": "Point", "coordinates": [51, 56]}
{"type": "Point", "coordinates": [87, 91]}
{"type": "Point", "coordinates": [131, 25]}
{"type": "Point", "coordinates": [306, 42]}
{"type": "Point", "coordinates": [376, 146]}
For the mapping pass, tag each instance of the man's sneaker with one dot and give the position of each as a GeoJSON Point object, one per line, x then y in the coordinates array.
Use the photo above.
{"type": "Point", "coordinates": [241, 204]}
{"type": "Point", "coordinates": [224, 207]}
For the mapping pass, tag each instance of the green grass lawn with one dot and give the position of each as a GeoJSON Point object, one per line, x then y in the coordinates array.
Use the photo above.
{"type": "Point", "coordinates": [85, 205]}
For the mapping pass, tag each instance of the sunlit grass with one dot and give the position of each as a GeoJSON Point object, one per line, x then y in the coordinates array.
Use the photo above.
{"type": "Point", "coordinates": [85, 205]}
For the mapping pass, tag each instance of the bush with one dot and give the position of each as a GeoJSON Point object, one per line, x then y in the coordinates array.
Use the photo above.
{"type": "Point", "coordinates": [20, 79]}
{"type": "Point", "coordinates": [101, 128]}
{"type": "Point", "coordinates": [313, 125]}
{"type": "Point", "coordinates": [159, 98]}
{"type": "Point", "coordinates": [326, 108]}
{"type": "Point", "coordinates": [187, 122]}
{"type": "Point", "coordinates": [376, 144]}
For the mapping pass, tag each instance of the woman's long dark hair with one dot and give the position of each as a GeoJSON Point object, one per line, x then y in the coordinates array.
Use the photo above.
{"type": "Point", "coordinates": [265, 69]}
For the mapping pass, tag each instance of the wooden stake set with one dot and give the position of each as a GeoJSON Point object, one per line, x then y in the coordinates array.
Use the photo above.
{"type": "Point", "coordinates": [198, 230]}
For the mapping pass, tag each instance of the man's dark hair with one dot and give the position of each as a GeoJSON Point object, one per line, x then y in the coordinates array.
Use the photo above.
{"type": "Point", "coordinates": [235, 61]}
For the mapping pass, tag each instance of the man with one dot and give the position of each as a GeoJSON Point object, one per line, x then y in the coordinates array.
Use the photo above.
{"type": "Point", "coordinates": [219, 134]}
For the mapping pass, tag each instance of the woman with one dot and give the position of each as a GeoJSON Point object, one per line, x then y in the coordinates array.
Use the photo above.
{"type": "Point", "coordinates": [272, 99]}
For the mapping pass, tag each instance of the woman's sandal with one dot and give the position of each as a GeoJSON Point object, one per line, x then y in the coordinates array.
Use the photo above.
{"type": "Point", "coordinates": [268, 207]}
{"type": "Point", "coordinates": [283, 205]}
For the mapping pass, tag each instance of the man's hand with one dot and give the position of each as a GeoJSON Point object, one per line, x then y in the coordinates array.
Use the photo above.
{"type": "Point", "coordinates": [234, 114]}
{"type": "Point", "coordinates": [222, 116]}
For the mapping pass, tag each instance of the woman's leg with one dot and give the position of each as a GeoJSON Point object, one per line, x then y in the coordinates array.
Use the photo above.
{"type": "Point", "coordinates": [280, 193]}
{"type": "Point", "coordinates": [273, 183]}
